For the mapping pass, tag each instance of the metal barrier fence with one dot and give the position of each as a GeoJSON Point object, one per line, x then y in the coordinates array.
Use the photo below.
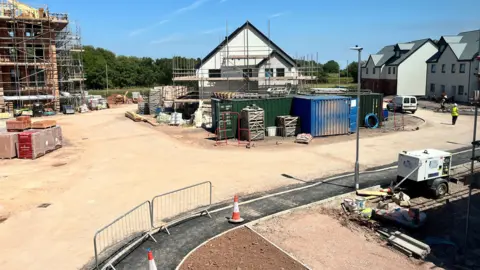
{"type": "Point", "coordinates": [181, 204]}
{"type": "Point", "coordinates": [131, 225]}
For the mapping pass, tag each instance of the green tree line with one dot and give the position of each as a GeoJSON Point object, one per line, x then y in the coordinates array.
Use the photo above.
{"type": "Point", "coordinates": [130, 71]}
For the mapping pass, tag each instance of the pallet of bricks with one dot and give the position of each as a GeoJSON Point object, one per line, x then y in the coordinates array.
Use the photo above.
{"type": "Point", "coordinates": [27, 140]}
{"type": "Point", "coordinates": [170, 93]}
{"type": "Point", "coordinates": [253, 119]}
{"type": "Point", "coordinates": [289, 125]}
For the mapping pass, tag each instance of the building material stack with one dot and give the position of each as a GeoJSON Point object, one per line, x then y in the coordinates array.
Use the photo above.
{"type": "Point", "coordinates": [289, 125]}
{"type": "Point", "coordinates": [154, 100]}
{"type": "Point", "coordinates": [21, 123]}
{"type": "Point", "coordinates": [170, 93]}
{"type": "Point", "coordinates": [2, 101]}
{"type": "Point", "coordinates": [253, 120]}
{"type": "Point", "coordinates": [31, 144]}
{"type": "Point", "coordinates": [8, 145]}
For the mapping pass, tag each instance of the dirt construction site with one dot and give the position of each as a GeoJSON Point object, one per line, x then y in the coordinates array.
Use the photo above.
{"type": "Point", "coordinates": [51, 207]}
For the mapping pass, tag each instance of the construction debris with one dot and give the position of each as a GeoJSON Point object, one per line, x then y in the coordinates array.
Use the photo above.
{"type": "Point", "coordinates": [406, 243]}
{"type": "Point", "coordinates": [304, 138]}
{"type": "Point", "coordinates": [138, 118]}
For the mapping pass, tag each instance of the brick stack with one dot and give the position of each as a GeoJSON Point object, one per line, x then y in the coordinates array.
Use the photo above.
{"type": "Point", "coordinates": [31, 144]}
{"type": "Point", "coordinates": [19, 124]}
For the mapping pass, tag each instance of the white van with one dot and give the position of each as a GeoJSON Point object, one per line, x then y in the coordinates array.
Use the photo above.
{"type": "Point", "coordinates": [403, 104]}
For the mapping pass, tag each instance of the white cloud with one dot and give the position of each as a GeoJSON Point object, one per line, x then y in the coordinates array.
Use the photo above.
{"type": "Point", "coordinates": [212, 31]}
{"type": "Point", "coordinates": [171, 38]}
{"type": "Point", "coordinates": [279, 14]}
{"type": "Point", "coordinates": [192, 6]}
{"type": "Point", "coordinates": [141, 30]}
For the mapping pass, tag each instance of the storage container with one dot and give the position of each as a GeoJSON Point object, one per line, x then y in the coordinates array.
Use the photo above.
{"type": "Point", "coordinates": [8, 145]}
{"type": "Point", "coordinates": [323, 115]}
{"type": "Point", "coordinates": [353, 115]}
{"type": "Point", "coordinates": [272, 107]}
{"type": "Point", "coordinates": [369, 103]}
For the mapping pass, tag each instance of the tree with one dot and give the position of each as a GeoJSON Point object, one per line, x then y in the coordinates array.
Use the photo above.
{"type": "Point", "coordinates": [331, 67]}
{"type": "Point", "coordinates": [353, 71]}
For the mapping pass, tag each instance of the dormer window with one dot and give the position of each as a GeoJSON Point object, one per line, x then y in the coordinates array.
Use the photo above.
{"type": "Point", "coordinates": [397, 53]}
{"type": "Point", "coordinates": [442, 48]}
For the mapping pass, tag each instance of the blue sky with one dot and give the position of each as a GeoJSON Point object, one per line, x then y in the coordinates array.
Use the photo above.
{"type": "Point", "coordinates": [192, 28]}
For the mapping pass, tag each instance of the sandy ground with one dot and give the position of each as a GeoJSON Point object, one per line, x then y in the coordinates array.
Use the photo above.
{"type": "Point", "coordinates": [240, 249]}
{"type": "Point", "coordinates": [110, 164]}
{"type": "Point", "coordinates": [321, 242]}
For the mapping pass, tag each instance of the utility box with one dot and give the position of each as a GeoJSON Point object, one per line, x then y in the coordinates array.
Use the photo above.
{"type": "Point", "coordinates": [431, 163]}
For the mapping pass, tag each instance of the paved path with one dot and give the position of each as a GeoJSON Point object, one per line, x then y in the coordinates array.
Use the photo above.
{"type": "Point", "coordinates": [171, 249]}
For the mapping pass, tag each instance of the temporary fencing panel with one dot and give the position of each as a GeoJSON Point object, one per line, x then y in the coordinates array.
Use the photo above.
{"type": "Point", "coordinates": [131, 225]}
{"type": "Point", "coordinates": [181, 204]}
{"type": "Point", "coordinates": [353, 115]}
{"type": "Point", "coordinates": [323, 115]}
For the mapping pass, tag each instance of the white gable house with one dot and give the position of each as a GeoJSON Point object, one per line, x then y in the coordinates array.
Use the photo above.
{"type": "Point", "coordinates": [399, 69]}
{"type": "Point", "coordinates": [246, 60]}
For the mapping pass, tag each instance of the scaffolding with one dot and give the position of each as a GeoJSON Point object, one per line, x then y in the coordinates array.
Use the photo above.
{"type": "Point", "coordinates": [251, 67]}
{"type": "Point", "coordinates": [39, 56]}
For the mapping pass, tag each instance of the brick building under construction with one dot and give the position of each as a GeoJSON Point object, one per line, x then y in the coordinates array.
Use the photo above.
{"type": "Point", "coordinates": [40, 57]}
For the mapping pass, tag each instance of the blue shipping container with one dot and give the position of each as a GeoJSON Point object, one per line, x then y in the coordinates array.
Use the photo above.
{"type": "Point", "coordinates": [323, 115]}
{"type": "Point", "coordinates": [353, 115]}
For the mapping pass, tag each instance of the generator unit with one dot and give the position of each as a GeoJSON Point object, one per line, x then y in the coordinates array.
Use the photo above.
{"type": "Point", "coordinates": [430, 166]}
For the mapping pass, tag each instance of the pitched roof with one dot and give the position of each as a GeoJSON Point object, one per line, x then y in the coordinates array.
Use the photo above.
{"type": "Point", "coordinates": [415, 45]}
{"type": "Point", "coordinates": [465, 46]}
{"type": "Point", "coordinates": [380, 58]}
{"type": "Point", "coordinates": [274, 54]}
{"type": "Point", "coordinates": [248, 25]}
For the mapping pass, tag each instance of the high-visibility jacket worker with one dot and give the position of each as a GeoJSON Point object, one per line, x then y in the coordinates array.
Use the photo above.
{"type": "Point", "coordinates": [454, 114]}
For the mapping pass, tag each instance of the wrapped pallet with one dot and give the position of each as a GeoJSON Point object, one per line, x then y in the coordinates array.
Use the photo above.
{"type": "Point", "coordinates": [57, 136]}
{"type": "Point", "coordinates": [8, 145]}
{"type": "Point", "coordinates": [31, 144]}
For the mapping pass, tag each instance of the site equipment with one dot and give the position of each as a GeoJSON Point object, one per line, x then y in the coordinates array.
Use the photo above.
{"type": "Point", "coordinates": [430, 168]}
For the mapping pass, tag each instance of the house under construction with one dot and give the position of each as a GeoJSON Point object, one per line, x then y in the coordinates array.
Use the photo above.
{"type": "Point", "coordinates": [40, 57]}
{"type": "Point", "coordinates": [246, 61]}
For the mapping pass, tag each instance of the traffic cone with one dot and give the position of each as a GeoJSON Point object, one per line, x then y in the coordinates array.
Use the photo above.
{"type": "Point", "coordinates": [236, 212]}
{"type": "Point", "coordinates": [151, 261]}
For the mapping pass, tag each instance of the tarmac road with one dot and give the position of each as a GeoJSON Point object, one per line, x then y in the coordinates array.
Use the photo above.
{"type": "Point", "coordinates": [186, 236]}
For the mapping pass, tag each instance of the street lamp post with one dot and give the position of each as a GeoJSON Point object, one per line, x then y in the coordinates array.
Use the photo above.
{"type": "Point", "coordinates": [357, 165]}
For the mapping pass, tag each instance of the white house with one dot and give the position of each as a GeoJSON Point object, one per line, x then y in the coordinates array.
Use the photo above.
{"type": "Point", "coordinates": [399, 69]}
{"type": "Point", "coordinates": [454, 69]}
{"type": "Point", "coordinates": [246, 59]}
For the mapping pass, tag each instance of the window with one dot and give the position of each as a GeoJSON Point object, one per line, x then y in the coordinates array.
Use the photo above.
{"type": "Point", "coordinates": [443, 68]}
{"type": "Point", "coordinates": [462, 68]}
{"type": "Point", "coordinates": [13, 77]}
{"type": "Point", "coordinates": [280, 72]}
{"type": "Point", "coordinates": [433, 68]}
{"type": "Point", "coordinates": [40, 77]}
{"type": "Point", "coordinates": [442, 88]}
{"type": "Point", "coordinates": [366, 70]}
{"type": "Point", "coordinates": [432, 87]}
{"type": "Point", "coordinates": [453, 68]}
{"type": "Point", "coordinates": [413, 100]}
{"type": "Point", "coordinates": [268, 72]}
{"type": "Point", "coordinates": [460, 90]}
{"type": "Point", "coordinates": [406, 100]}
{"type": "Point", "coordinates": [454, 89]}
{"type": "Point", "coordinates": [393, 69]}
{"type": "Point", "coordinates": [248, 73]}
{"type": "Point", "coordinates": [389, 70]}
{"type": "Point", "coordinates": [442, 48]}
{"type": "Point", "coordinates": [214, 73]}
{"type": "Point", "coordinates": [373, 70]}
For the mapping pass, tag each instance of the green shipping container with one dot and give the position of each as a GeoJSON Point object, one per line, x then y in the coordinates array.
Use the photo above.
{"type": "Point", "coordinates": [369, 103]}
{"type": "Point", "coordinates": [273, 107]}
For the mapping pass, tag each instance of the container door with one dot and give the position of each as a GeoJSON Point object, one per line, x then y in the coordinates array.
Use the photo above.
{"type": "Point", "coordinates": [353, 115]}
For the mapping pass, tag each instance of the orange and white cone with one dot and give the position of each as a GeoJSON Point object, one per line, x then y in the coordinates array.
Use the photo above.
{"type": "Point", "coordinates": [236, 212]}
{"type": "Point", "coordinates": [151, 261]}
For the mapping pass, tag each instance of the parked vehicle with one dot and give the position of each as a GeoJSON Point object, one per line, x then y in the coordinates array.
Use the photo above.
{"type": "Point", "coordinates": [403, 104]}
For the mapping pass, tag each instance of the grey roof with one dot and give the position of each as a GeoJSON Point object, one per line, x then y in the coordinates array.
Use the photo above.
{"type": "Point", "coordinates": [471, 39]}
{"type": "Point", "coordinates": [386, 56]}
{"type": "Point", "coordinates": [465, 46]}
{"type": "Point", "coordinates": [380, 58]}
{"type": "Point", "coordinates": [404, 55]}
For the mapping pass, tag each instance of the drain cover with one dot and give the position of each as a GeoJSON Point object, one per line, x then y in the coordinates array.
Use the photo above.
{"type": "Point", "coordinates": [44, 205]}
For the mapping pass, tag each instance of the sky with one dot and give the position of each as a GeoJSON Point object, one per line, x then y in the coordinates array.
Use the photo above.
{"type": "Point", "coordinates": [192, 28]}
